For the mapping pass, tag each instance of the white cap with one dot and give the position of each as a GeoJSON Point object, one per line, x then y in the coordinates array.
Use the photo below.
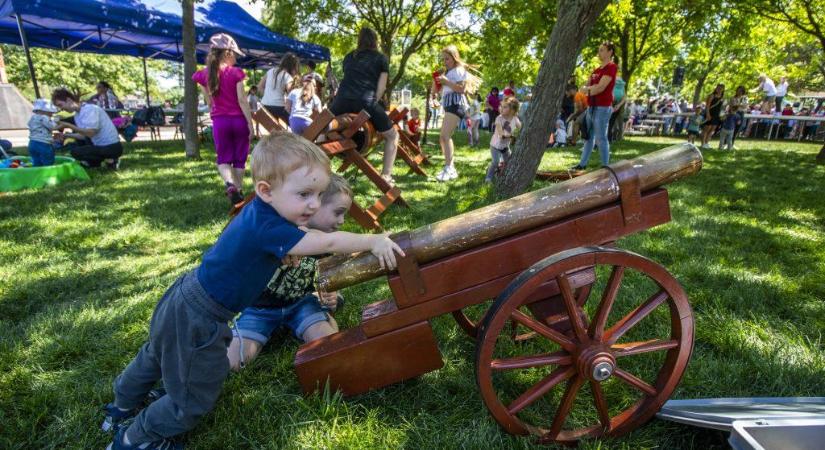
{"type": "Point", "coordinates": [41, 104]}
{"type": "Point", "coordinates": [225, 41]}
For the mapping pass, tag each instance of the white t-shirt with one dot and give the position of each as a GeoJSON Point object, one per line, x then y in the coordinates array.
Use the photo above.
{"type": "Point", "coordinates": [300, 109]}
{"type": "Point", "coordinates": [782, 89]}
{"type": "Point", "coordinates": [93, 117]}
{"type": "Point", "coordinates": [275, 87]}
{"type": "Point", "coordinates": [768, 87]}
{"type": "Point", "coordinates": [503, 134]}
{"type": "Point", "coordinates": [457, 74]}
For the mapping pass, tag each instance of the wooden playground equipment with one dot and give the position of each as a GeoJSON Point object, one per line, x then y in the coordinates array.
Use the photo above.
{"type": "Point", "coordinates": [352, 137]}
{"type": "Point", "coordinates": [571, 313]}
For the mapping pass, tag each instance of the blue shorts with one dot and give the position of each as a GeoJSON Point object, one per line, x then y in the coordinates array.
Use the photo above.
{"type": "Point", "coordinates": [258, 324]}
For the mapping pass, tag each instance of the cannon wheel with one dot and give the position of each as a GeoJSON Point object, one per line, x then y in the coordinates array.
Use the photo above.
{"type": "Point", "coordinates": [470, 326]}
{"type": "Point", "coordinates": [591, 355]}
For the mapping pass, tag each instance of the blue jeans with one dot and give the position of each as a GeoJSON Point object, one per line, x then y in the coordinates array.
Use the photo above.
{"type": "Point", "coordinates": [42, 154]}
{"type": "Point", "coordinates": [258, 324]}
{"type": "Point", "coordinates": [597, 118]}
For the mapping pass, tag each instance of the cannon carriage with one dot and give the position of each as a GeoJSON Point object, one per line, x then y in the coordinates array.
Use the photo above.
{"type": "Point", "coordinates": [567, 327]}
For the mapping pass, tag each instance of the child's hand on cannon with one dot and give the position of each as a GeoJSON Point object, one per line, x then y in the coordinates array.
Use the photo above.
{"type": "Point", "coordinates": [328, 300]}
{"type": "Point", "coordinates": [384, 249]}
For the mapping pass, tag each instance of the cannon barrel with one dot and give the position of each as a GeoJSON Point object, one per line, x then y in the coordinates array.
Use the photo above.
{"type": "Point", "coordinates": [508, 217]}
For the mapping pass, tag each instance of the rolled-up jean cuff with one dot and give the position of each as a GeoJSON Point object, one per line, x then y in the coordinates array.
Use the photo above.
{"type": "Point", "coordinates": [308, 321]}
{"type": "Point", "coordinates": [251, 335]}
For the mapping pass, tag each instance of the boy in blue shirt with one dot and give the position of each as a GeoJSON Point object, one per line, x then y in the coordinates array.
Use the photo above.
{"type": "Point", "coordinates": [188, 333]}
{"type": "Point", "coordinates": [729, 127]}
{"type": "Point", "coordinates": [290, 298]}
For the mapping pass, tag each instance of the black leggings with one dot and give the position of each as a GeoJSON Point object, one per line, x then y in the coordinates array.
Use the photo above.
{"type": "Point", "coordinates": [93, 155]}
{"type": "Point", "coordinates": [378, 116]}
{"type": "Point", "coordinates": [278, 111]}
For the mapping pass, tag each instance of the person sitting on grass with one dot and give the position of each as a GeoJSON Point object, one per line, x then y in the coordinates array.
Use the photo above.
{"type": "Point", "coordinates": [504, 127]}
{"type": "Point", "coordinates": [188, 334]}
{"type": "Point", "coordinates": [41, 126]}
{"type": "Point", "coordinates": [290, 298]}
{"type": "Point", "coordinates": [92, 122]}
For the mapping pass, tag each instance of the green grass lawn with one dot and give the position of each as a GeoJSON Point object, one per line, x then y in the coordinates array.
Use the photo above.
{"type": "Point", "coordinates": [84, 263]}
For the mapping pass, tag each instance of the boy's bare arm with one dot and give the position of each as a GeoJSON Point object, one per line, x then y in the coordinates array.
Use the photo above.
{"type": "Point", "coordinates": [317, 243]}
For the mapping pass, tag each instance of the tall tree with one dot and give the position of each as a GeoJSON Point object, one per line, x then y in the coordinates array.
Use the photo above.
{"type": "Point", "coordinates": [404, 27]}
{"type": "Point", "coordinates": [642, 30]}
{"type": "Point", "coordinates": [573, 24]}
{"type": "Point", "coordinates": [190, 89]}
{"type": "Point", "coordinates": [724, 36]}
{"type": "Point", "coordinates": [513, 35]}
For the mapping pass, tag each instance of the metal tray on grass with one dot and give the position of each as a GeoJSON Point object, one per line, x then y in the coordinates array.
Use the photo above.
{"type": "Point", "coordinates": [720, 413]}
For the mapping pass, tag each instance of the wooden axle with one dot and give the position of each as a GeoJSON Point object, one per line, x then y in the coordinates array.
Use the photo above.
{"type": "Point", "coordinates": [521, 213]}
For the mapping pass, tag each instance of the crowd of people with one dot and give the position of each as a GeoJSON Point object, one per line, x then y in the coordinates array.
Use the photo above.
{"type": "Point", "coordinates": [726, 115]}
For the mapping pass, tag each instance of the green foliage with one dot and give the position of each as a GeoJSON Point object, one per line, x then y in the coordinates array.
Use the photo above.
{"type": "Point", "coordinates": [512, 40]}
{"type": "Point", "coordinates": [410, 33]}
{"type": "Point", "coordinates": [84, 264]}
{"type": "Point", "coordinates": [80, 72]}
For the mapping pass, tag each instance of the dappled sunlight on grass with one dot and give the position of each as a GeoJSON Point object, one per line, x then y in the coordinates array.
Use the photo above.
{"type": "Point", "coordinates": [84, 264]}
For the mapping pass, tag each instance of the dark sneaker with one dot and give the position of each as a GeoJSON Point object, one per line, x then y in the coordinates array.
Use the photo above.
{"type": "Point", "coordinates": [115, 417]}
{"type": "Point", "coordinates": [113, 164]}
{"type": "Point", "coordinates": [577, 167]}
{"type": "Point", "coordinates": [164, 444]}
{"type": "Point", "coordinates": [154, 395]}
{"type": "Point", "coordinates": [233, 194]}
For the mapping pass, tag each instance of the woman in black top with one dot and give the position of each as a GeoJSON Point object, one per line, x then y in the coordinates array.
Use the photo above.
{"type": "Point", "coordinates": [366, 71]}
{"type": "Point", "coordinates": [713, 111]}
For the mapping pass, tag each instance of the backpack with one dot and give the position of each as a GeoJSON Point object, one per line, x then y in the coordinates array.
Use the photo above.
{"type": "Point", "coordinates": [155, 116]}
{"type": "Point", "coordinates": [140, 117]}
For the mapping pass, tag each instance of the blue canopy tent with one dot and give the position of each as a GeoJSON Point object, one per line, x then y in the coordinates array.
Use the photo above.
{"type": "Point", "coordinates": [142, 28]}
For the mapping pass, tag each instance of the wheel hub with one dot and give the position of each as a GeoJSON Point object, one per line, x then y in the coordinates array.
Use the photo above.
{"type": "Point", "coordinates": [596, 363]}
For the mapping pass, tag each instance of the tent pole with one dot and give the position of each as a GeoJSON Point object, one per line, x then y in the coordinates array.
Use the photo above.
{"type": "Point", "coordinates": [146, 82]}
{"type": "Point", "coordinates": [28, 54]}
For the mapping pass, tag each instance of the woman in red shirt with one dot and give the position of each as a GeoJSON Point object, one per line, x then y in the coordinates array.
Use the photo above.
{"type": "Point", "coordinates": [599, 91]}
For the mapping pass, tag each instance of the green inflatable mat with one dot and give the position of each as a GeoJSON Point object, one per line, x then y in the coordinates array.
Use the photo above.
{"type": "Point", "coordinates": [64, 169]}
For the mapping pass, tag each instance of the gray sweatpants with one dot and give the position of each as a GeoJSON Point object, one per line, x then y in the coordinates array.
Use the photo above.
{"type": "Point", "coordinates": [725, 139]}
{"type": "Point", "coordinates": [498, 155]}
{"type": "Point", "coordinates": [188, 338]}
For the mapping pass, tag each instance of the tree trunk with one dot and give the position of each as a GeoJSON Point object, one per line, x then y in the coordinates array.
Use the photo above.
{"type": "Point", "coordinates": [3, 77]}
{"type": "Point", "coordinates": [190, 89]}
{"type": "Point", "coordinates": [573, 24]}
{"type": "Point", "coordinates": [386, 49]}
{"type": "Point", "coordinates": [697, 91]}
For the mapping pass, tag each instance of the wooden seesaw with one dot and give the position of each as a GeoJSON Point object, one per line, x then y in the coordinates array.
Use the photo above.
{"type": "Point", "coordinates": [571, 312]}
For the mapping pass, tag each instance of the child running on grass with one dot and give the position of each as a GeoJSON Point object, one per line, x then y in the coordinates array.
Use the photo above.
{"type": "Point", "coordinates": [188, 334]}
{"type": "Point", "coordinates": [290, 298]}
{"type": "Point", "coordinates": [505, 125]}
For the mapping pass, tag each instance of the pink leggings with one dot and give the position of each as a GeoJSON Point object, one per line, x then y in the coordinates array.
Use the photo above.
{"type": "Point", "coordinates": [231, 134]}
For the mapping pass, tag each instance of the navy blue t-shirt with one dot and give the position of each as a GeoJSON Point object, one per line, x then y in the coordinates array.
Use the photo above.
{"type": "Point", "coordinates": [238, 267]}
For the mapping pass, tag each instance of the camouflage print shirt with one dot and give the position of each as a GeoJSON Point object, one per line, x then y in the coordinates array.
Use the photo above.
{"type": "Point", "coordinates": [289, 284]}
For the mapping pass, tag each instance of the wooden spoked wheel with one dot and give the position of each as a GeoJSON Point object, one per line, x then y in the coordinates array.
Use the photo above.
{"type": "Point", "coordinates": [544, 304]}
{"type": "Point", "coordinates": [629, 365]}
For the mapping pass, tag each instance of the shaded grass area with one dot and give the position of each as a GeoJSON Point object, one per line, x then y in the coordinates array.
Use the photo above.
{"type": "Point", "coordinates": [84, 263]}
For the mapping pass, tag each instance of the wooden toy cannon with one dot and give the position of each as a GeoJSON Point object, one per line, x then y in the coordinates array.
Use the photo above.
{"type": "Point", "coordinates": [581, 340]}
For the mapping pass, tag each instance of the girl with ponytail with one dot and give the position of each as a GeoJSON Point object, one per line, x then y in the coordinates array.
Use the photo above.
{"type": "Point", "coordinates": [223, 86]}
